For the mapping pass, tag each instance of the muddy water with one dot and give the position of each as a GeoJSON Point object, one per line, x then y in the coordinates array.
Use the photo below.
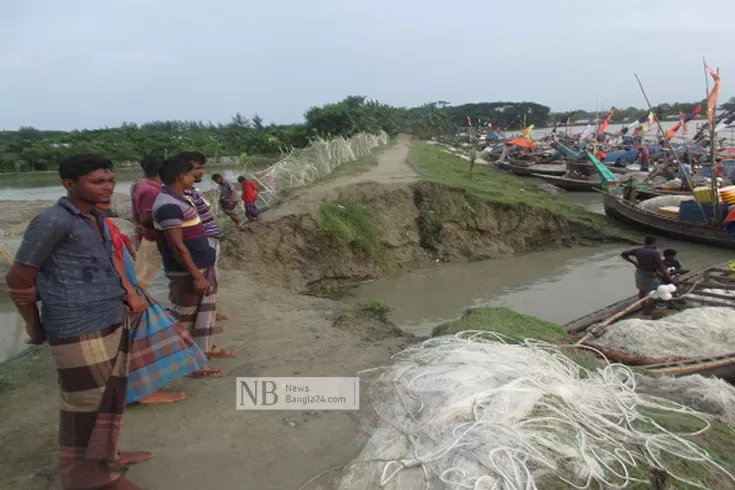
{"type": "Point", "coordinates": [558, 286]}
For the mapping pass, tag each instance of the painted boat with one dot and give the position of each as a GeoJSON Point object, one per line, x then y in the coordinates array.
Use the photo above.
{"type": "Point", "coordinates": [627, 212]}
{"type": "Point", "coordinates": [721, 366]}
{"type": "Point", "coordinates": [542, 169]}
{"type": "Point", "coordinates": [571, 185]}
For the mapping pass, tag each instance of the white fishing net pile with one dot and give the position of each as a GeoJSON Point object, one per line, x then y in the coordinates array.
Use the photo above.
{"type": "Point", "coordinates": [652, 205]}
{"type": "Point", "coordinates": [695, 332]}
{"type": "Point", "coordinates": [711, 395]}
{"type": "Point", "coordinates": [305, 166]}
{"type": "Point", "coordinates": [474, 412]}
{"type": "Point", "coordinates": [721, 292]}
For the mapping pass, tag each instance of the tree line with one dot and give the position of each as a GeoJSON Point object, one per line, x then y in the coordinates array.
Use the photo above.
{"type": "Point", "coordinates": [31, 149]}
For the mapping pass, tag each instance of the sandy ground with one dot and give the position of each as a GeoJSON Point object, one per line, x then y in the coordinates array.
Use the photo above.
{"type": "Point", "coordinates": [204, 442]}
{"type": "Point", "coordinates": [392, 168]}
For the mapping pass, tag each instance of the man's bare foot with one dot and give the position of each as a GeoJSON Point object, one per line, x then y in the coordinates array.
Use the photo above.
{"type": "Point", "coordinates": [207, 372]}
{"type": "Point", "coordinates": [222, 317]}
{"type": "Point", "coordinates": [220, 352]}
{"type": "Point", "coordinates": [123, 484]}
{"type": "Point", "coordinates": [128, 458]}
{"type": "Point", "coordinates": [162, 397]}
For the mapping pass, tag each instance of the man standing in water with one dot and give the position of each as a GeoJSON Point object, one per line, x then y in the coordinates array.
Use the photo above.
{"type": "Point", "coordinates": [188, 259]}
{"type": "Point", "coordinates": [648, 265]}
{"type": "Point", "coordinates": [66, 258]}
{"type": "Point", "coordinates": [204, 209]}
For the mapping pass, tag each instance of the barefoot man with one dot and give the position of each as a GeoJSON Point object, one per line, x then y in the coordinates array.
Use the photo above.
{"type": "Point", "coordinates": [188, 259]}
{"type": "Point", "coordinates": [66, 258]}
{"type": "Point", "coordinates": [205, 210]}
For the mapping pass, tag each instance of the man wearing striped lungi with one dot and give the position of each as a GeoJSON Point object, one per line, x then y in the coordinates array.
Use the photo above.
{"type": "Point", "coordinates": [65, 259]}
{"type": "Point", "coordinates": [188, 259]}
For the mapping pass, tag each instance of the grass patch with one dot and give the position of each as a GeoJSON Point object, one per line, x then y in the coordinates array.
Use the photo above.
{"type": "Point", "coordinates": [376, 309]}
{"type": "Point", "coordinates": [493, 185]}
{"type": "Point", "coordinates": [351, 225]}
{"type": "Point", "coordinates": [506, 322]}
{"type": "Point", "coordinates": [326, 289]}
{"type": "Point", "coordinates": [370, 320]}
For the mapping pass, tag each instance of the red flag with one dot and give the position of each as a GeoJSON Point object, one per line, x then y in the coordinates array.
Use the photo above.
{"type": "Point", "coordinates": [469, 121]}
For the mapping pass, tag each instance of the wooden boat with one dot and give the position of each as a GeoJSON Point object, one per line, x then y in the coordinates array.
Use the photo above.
{"type": "Point", "coordinates": [571, 185]}
{"type": "Point", "coordinates": [543, 169]}
{"type": "Point", "coordinates": [627, 212]}
{"type": "Point", "coordinates": [721, 276]}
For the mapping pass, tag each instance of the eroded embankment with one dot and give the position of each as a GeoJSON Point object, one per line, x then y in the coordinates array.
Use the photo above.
{"type": "Point", "coordinates": [373, 230]}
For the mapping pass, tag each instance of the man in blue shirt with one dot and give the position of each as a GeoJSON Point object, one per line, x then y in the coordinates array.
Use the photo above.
{"type": "Point", "coordinates": [66, 258]}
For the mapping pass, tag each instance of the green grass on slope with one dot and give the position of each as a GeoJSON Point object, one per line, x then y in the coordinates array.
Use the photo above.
{"type": "Point", "coordinates": [349, 224]}
{"type": "Point", "coordinates": [506, 322]}
{"type": "Point", "coordinates": [490, 184]}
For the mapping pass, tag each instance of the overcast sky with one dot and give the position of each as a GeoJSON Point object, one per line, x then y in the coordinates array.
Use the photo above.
{"type": "Point", "coordinates": [91, 63]}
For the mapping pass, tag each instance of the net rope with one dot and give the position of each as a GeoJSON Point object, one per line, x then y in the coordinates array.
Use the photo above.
{"type": "Point", "coordinates": [477, 411]}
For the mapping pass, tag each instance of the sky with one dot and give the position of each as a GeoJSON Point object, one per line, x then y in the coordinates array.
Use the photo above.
{"type": "Point", "coordinates": [77, 64]}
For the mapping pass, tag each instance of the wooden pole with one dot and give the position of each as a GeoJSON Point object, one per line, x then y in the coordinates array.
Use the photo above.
{"type": "Point", "coordinates": [668, 145]}
{"type": "Point", "coordinates": [716, 210]}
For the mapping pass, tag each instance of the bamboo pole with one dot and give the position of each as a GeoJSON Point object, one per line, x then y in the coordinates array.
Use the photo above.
{"type": "Point", "coordinates": [716, 210]}
{"type": "Point", "coordinates": [668, 145]}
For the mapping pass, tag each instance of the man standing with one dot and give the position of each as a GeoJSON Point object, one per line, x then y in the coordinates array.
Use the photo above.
{"type": "Point", "coordinates": [648, 265]}
{"type": "Point", "coordinates": [66, 258]}
{"type": "Point", "coordinates": [204, 209]}
{"type": "Point", "coordinates": [188, 258]}
{"type": "Point", "coordinates": [227, 198]}
{"type": "Point", "coordinates": [144, 193]}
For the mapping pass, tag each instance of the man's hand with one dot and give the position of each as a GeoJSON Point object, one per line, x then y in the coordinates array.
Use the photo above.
{"type": "Point", "coordinates": [137, 303]}
{"type": "Point", "coordinates": [201, 285]}
{"type": "Point", "coordinates": [24, 297]}
{"type": "Point", "coordinates": [35, 333]}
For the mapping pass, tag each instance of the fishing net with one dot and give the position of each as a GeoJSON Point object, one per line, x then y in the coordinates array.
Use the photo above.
{"type": "Point", "coordinates": [695, 332]}
{"type": "Point", "coordinates": [711, 395]}
{"type": "Point", "coordinates": [652, 205]}
{"type": "Point", "coordinates": [474, 411]}
{"type": "Point", "coordinates": [305, 166]}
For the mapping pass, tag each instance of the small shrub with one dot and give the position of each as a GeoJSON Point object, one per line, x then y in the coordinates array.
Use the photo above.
{"type": "Point", "coordinates": [376, 309]}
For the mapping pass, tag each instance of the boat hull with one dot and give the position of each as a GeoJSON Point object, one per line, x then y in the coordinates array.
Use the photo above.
{"type": "Point", "coordinates": [528, 171]}
{"type": "Point", "coordinates": [692, 232]}
{"type": "Point", "coordinates": [571, 185]}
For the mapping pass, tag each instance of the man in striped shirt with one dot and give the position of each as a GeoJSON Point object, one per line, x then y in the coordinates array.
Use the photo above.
{"type": "Point", "coordinates": [204, 208]}
{"type": "Point", "coordinates": [188, 259]}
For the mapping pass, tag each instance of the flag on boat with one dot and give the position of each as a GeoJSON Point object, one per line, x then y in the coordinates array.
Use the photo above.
{"type": "Point", "coordinates": [606, 122]}
{"type": "Point", "coordinates": [527, 132]}
{"type": "Point", "coordinates": [713, 95]}
{"type": "Point", "coordinates": [522, 142]}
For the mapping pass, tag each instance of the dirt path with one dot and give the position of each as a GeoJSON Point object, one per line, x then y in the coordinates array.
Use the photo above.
{"type": "Point", "coordinates": [392, 168]}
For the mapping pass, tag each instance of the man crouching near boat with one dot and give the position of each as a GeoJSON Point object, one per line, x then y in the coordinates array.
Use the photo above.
{"type": "Point", "coordinates": [648, 265]}
{"type": "Point", "coordinates": [66, 258]}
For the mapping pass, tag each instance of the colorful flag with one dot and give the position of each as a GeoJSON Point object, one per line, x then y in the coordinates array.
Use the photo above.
{"type": "Point", "coordinates": [606, 122]}
{"type": "Point", "coordinates": [713, 95]}
{"type": "Point", "coordinates": [469, 121]}
{"type": "Point", "coordinates": [522, 142]}
{"type": "Point", "coordinates": [527, 132]}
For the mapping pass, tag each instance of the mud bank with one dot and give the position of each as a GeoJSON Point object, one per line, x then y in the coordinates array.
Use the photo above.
{"type": "Point", "coordinates": [385, 229]}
